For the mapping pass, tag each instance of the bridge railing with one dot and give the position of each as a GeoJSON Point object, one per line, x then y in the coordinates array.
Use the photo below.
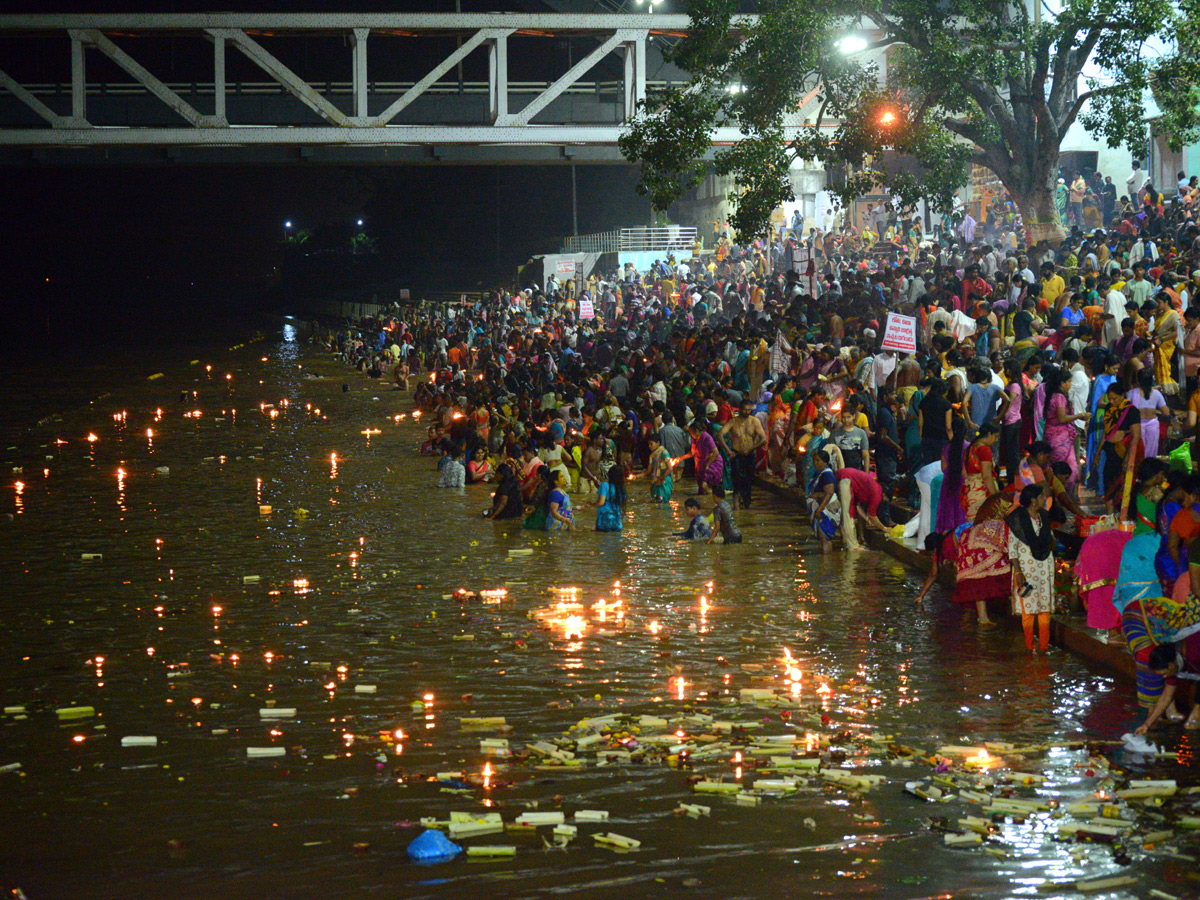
{"type": "Point", "coordinates": [601, 242]}
{"type": "Point", "coordinates": [668, 237]}
{"type": "Point", "coordinates": [610, 89]}
{"type": "Point", "coordinates": [367, 112]}
{"type": "Point", "coordinates": [636, 240]}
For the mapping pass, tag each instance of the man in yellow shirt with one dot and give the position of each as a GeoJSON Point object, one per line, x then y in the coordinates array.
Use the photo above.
{"type": "Point", "coordinates": [1052, 284]}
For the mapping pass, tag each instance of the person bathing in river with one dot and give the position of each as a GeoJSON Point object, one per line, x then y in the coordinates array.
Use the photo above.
{"type": "Point", "coordinates": [723, 519]}
{"type": "Point", "coordinates": [610, 500]}
{"type": "Point", "coordinates": [506, 502]}
{"type": "Point", "coordinates": [662, 482]}
{"type": "Point", "coordinates": [699, 529]}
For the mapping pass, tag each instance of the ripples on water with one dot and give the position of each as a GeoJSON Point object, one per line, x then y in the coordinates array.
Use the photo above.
{"type": "Point", "coordinates": [189, 648]}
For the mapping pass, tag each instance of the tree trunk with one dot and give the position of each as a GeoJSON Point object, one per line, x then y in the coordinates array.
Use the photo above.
{"type": "Point", "coordinates": [1040, 215]}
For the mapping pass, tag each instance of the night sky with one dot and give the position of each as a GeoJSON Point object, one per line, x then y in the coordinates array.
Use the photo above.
{"type": "Point", "coordinates": [114, 237]}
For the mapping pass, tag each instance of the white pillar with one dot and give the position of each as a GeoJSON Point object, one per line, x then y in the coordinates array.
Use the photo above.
{"type": "Point", "coordinates": [498, 78]}
{"type": "Point", "coordinates": [635, 76]}
{"type": "Point", "coordinates": [219, 78]}
{"type": "Point", "coordinates": [78, 80]}
{"type": "Point", "coordinates": [359, 43]}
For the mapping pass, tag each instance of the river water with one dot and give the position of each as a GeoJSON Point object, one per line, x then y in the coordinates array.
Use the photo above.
{"type": "Point", "coordinates": [203, 610]}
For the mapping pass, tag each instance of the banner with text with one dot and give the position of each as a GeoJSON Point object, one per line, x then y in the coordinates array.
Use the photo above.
{"type": "Point", "coordinates": [900, 334]}
{"type": "Point", "coordinates": [586, 309]}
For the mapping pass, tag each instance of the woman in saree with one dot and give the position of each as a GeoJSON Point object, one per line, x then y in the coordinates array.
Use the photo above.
{"type": "Point", "coordinates": [1060, 431]}
{"type": "Point", "coordinates": [912, 427]}
{"type": "Point", "coordinates": [706, 458]}
{"type": "Point", "coordinates": [662, 481]}
{"type": "Point", "coordinates": [1121, 447]}
{"type": "Point", "coordinates": [979, 471]}
{"type": "Point", "coordinates": [978, 553]}
{"type": "Point", "coordinates": [778, 422]}
{"type": "Point", "coordinates": [1166, 332]}
{"type": "Point", "coordinates": [950, 511]}
{"type": "Point", "coordinates": [1151, 621]}
{"type": "Point", "coordinates": [1097, 568]}
{"type": "Point", "coordinates": [1175, 525]}
{"type": "Point", "coordinates": [530, 463]}
{"type": "Point", "coordinates": [1098, 406]}
{"type": "Point", "coordinates": [558, 504]}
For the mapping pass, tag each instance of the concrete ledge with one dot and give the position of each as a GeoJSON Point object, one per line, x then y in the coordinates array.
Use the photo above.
{"type": "Point", "coordinates": [1067, 631]}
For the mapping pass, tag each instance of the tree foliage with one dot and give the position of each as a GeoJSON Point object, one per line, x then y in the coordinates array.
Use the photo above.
{"type": "Point", "coordinates": [993, 82]}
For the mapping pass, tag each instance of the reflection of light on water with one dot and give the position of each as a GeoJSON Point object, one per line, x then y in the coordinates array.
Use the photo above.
{"type": "Point", "coordinates": [333, 463]}
{"type": "Point", "coordinates": [680, 687]}
{"type": "Point", "coordinates": [20, 486]}
{"type": "Point", "coordinates": [574, 627]}
{"type": "Point", "coordinates": [654, 626]}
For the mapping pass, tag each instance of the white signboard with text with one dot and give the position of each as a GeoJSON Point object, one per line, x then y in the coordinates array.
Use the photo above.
{"type": "Point", "coordinates": [586, 309]}
{"type": "Point", "coordinates": [900, 334]}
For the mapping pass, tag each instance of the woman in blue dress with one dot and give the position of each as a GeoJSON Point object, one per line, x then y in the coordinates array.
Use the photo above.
{"type": "Point", "coordinates": [610, 500]}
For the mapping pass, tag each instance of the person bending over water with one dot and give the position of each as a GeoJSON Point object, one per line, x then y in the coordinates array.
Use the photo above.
{"type": "Point", "coordinates": [723, 523]}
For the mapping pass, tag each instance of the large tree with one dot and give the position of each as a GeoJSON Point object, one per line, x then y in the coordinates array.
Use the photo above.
{"type": "Point", "coordinates": [993, 82]}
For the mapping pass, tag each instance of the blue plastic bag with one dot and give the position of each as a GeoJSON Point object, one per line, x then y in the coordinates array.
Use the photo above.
{"type": "Point", "coordinates": [433, 847]}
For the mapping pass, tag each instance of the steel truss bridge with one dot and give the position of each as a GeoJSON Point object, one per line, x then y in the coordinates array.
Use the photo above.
{"type": "Point", "coordinates": [255, 102]}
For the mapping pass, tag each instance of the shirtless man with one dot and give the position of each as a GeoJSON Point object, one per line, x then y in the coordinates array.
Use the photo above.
{"type": "Point", "coordinates": [589, 474]}
{"type": "Point", "coordinates": [746, 434]}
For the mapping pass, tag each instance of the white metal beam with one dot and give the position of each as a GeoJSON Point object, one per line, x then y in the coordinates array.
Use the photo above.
{"type": "Point", "coordinates": [358, 40]}
{"type": "Point", "coordinates": [497, 79]}
{"type": "Point", "coordinates": [45, 112]}
{"type": "Point", "coordinates": [285, 76]}
{"type": "Point", "coordinates": [437, 72]}
{"type": "Point", "coordinates": [219, 78]}
{"type": "Point", "coordinates": [323, 135]}
{"type": "Point", "coordinates": [669, 23]}
{"type": "Point", "coordinates": [78, 81]}
{"type": "Point", "coordinates": [131, 66]}
{"type": "Point", "coordinates": [572, 75]}
{"type": "Point", "coordinates": [635, 76]}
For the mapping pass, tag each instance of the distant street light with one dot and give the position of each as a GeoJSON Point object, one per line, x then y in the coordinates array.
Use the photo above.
{"type": "Point", "coordinates": [888, 118]}
{"type": "Point", "coordinates": [287, 224]}
{"type": "Point", "coordinates": [360, 223]}
{"type": "Point", "coordinates": [852, 43]}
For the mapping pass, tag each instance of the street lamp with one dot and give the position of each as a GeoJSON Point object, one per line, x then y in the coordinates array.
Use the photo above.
{"type": "Point", "coordinates": [287, 224]}
{"type": "Point", "coordinates": [852, 43]}
{"type": "Point", "coordinates": [360, 223]}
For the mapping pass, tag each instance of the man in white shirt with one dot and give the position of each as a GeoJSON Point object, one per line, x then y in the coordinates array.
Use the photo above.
{"type": "Point", "coordinates": [1077, 388]}
{"type": "Point", "coordinates": [1114, 310]}
{"type": "Point", "coordinates": [1136, 181]}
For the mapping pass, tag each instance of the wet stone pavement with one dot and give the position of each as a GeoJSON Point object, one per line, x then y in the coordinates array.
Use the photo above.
{"type": "Point", "coordinates": [229, 701]}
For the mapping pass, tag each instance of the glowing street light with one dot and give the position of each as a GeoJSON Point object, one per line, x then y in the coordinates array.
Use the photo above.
{"type": "Point", "coordinates": [888, 118]}
{"type": "Point", "coordinates": [287, 224]}
{"type": "Point", "coordinates": [852, 43]}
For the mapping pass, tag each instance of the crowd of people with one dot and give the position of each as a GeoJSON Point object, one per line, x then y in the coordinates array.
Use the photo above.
{"type": "Point", "coordinates": [1047, 417]}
